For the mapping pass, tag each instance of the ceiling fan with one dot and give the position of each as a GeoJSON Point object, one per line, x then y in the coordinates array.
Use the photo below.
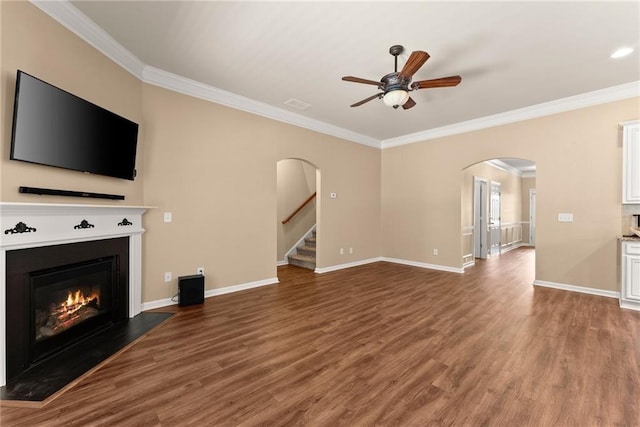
{"type": "Point", "coordinates": [396, 86]}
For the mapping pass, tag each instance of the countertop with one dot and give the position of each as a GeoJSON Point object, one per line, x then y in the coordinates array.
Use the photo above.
{"type": "Point", "coordinates": [629, 238]}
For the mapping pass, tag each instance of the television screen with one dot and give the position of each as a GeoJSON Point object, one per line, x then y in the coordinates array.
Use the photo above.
{"type": "Point", "coordinates": [55, 128]}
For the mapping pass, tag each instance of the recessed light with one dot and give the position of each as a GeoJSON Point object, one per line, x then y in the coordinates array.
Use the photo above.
{"type": "Point", "coordinates": [623, 51]}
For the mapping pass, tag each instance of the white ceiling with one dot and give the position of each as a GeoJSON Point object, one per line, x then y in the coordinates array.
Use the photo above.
{"type": "Point", "coordinates": [510, 55]}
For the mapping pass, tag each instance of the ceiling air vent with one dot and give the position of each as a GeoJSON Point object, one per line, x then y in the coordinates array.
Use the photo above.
{"type": "Point", "coordinates": [297, 104]}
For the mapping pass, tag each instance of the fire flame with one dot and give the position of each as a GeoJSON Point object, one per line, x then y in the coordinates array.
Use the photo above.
{"type": "Point", "coordinates": [76, 300]}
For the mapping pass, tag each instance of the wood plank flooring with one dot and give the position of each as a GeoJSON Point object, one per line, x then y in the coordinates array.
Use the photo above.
{"type": "Point", "coordinates": [380, 344]}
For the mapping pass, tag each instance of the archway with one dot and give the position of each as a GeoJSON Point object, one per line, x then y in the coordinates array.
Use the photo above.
{"type": "Point", "coordinates": [498, 207]}
{"type": "Point", "coordinates": [298, 181]}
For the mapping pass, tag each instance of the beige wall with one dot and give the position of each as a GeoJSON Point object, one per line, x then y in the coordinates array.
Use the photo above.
{"type": "Point", "coordinates": [296, 181]}
{"type": "Point", "coordinates": [38, 45]}
{"type": "Point", "coordinates": [578, 158]}
{"type": "Point", "coordinates": [215, 169]}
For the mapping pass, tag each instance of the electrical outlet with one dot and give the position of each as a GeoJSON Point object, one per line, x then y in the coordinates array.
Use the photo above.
{"type": "Point", "coordinates": [168, 217]}
{"type": "Point", "coordinates": [435, 251]}
{"type": "Point", "coordinates": [565, 217]}
{"type": "Point", "coordinates": [350, 250]}
{"type": "Point", "coordinates": [167, 276]}
{"type": "Point", "coordinates": [200, 271]}
{"type": "Point", "coordinates": [341, 251]}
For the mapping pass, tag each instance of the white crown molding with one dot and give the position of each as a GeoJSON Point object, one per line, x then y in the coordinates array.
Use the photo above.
{"type": "Point", "coordinates": [176, 83]}
{"type": "Point", "coordinates": [499, 164]}
{"type": "Point", "coordinates": [602, 96]}
{"type": "Point", "coordinates": [80, 24]}
{"type": "Point", "coordinates": [77, 22]}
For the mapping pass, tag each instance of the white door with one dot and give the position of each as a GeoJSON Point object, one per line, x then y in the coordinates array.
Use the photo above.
{"type": "Point", "coordinates": [494, 219]}
{"type": "Point", "coordinates": [532, 217]}
{"type": "Point", "coordinates": [479, 218]}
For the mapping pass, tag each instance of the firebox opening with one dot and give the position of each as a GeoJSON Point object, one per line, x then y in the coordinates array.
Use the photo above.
{"type": "Point", "coordinates": [69, 303]}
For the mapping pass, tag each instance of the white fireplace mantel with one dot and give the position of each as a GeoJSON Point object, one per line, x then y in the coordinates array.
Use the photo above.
{"type": "Point", "coordinates": [30, 225]}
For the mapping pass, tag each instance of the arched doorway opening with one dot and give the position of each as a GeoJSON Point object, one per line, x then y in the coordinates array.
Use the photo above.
{"type": "Point", "coordinates": [498, 200]}
{"type": "Point", "coordinates": [298, 182]}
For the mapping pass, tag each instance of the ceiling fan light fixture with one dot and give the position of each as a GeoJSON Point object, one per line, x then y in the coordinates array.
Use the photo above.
{"type": "Point", "coordinates": [395, 98]}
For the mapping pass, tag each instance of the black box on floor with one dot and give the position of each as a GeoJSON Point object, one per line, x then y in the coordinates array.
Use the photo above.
{"type": "Point", "coordinates": [190, 290]}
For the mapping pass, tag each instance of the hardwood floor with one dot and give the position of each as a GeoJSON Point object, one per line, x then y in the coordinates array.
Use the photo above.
{"type": "Point", "coordinates": [381, 344]}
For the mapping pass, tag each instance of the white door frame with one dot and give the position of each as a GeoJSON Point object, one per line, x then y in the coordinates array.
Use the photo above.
{"type": "Point", "coordinates": [479, 217]}
{"type": "Point", "coordinates": [495, 220]}
{"type": "Point", "coordinates": [532, 216]}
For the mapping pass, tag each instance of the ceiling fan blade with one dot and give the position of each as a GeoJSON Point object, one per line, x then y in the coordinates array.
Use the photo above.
{"type": "Point", "coordinates": [410, 103]}
{"type": "Point", "coordinates": [359, 80]}
{"type": "Point", "coordinates": [442, 82]}
{"type": "Point", "coordinates": [413, 64]}
{"type": "Point", "coordinates": [377, 95]}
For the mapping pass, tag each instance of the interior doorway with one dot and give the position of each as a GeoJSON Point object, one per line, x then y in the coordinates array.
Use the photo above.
{"type": "Point", "coordinates": [297, 219]}
{"type": "Point", "coordinates": [480, 217]}
{"type": "Point", "coordinates": [498, 208]}
{"type": "Point", "coordinates": [495, 212]}
{"type": "Point", "coordinates": [532, 217]}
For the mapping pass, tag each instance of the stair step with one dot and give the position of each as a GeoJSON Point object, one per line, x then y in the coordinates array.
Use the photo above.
{"type": "Point", "coordinates": [310, 242]}
{"type": "Point", "coordinates": [303, 261]}
{"type": "Point", "coordinates": [307, 251]}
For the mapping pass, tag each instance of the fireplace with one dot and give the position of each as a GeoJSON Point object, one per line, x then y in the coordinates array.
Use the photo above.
{"type": "Point", "coordinates": [58, 295]}
{"type": "Point", "coordinates": [42, 246]}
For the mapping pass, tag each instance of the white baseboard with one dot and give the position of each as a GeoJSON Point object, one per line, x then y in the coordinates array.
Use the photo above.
{"type": "Point", "coordinates": [468, 264]}
{"type": "Point", "coordinates": [581, 289]}
{"type": "Point", "coordinates": [511, 247]}
{"type": "Point", "coordinates": [393, 260]}
{"type": "Point", "coordinates": [630, 305]}
{"type": "Point", "coordinates": [424, 265]}
{"type": "Point", "coordinates": [212, 292]}
{"type": "Point", "coordinates": [347, 265]}
{"type": "Point", "coordinates": [281, 263]}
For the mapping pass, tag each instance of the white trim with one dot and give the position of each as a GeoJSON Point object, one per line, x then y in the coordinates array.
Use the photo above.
{"type": "Point", "coordinates": [77, 22]}
{"type": "Point", "coordinates": [82, 26]}
{"type": "Point", "coordinates": [176, 83]}
{"type": "Point", "coordinates": [511, 247]}
{"type": "Point", "coordinates": [424, 265]}
{"type": "Point", "coordinates": [500, 165]}
{"type": "Point", "coordinates": [280, 263]}
{"type": "Point", "coordinates": [630, 305]}
{"type": "Point", "coordinates": [597, 97]}
{"type": "Point", "coordinates": [580, 289]}
{"type": "Point", "coordinates": [471, 263]}
{"type": "Point", "coordinates": [321, 270]}
{"type": "Point", "coordinates": [212, 293]}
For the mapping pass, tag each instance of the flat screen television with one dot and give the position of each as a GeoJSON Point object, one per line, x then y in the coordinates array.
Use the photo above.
{"type": "Point", "coordinates": [56, 128]}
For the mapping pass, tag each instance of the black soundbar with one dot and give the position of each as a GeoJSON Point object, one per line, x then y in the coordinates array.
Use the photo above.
{"type": "Point", "coordinates": [51, 192]}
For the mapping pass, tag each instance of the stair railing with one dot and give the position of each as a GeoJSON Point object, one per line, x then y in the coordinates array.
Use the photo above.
{"type": "Point", "coordinates": [305, 203]}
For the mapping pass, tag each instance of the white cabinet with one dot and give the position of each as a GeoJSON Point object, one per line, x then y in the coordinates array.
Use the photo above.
{"type": "Point", "coordinates": [630, 274]}
{"type": "Point", "coordinates": [631, 162]}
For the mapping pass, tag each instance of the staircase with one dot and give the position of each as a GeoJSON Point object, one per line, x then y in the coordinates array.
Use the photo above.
{"type": "Point", "coordinates": [305, 255]}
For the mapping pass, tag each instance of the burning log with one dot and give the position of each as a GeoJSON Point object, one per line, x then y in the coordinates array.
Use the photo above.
{"type": "Point", "coordinates": [75, 309]}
